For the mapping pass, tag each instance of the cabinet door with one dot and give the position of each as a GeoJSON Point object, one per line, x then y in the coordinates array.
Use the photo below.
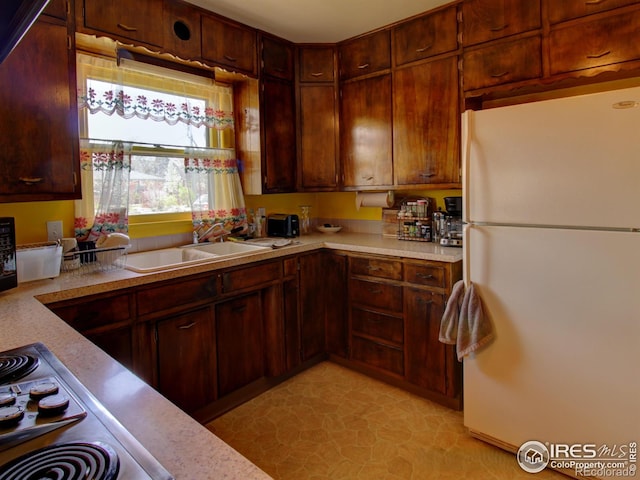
{"type": "Point", "coordinates": [365, 132]}
{"type": "Point", "coordinates": [484, 20]}
{"type": "Point", "coordinates": [428, 362]}
{"type": "Point", "coordinates": [312, 305]}
{"type": "Point", "coordinates": [503, 62]}
{"type": "Point", "coordinates": [39, 158]}
{"type": "Point", "coordinates": [336, 308]}
{"type": "Point", "coordinates": [277, 58]}
{"type": "Point", "coordinates": [186, 359]}
{"type": "Point", "coordinates": [426, 141]}
{"type": "Point", "coordinates": [595, 44]}
{"type": "Point", "coordinates": [118, 17]}
{"type": "Point", "coordinates": [316, 64]}
{"type": "Point", "coordinates": [568, 9]}
{"type": "Point", "coordinates": [292, 349]}
{"type": "Point", "coordinates": [426, 36]}
{"type": "Point", "coordinates": [240, 342]}
{"type": "Point", "coordinates": [318, 137]}
{"type": "Point", "coordinates": [181, 29]}
{"type": "Point", "coordinates": [279, 136]}
{"type": "Point", "coordinates": [365, 55]}
{"type": "Point", "coordinates": [229, 44]}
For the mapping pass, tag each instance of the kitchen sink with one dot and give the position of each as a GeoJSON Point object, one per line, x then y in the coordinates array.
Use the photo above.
{"type": "Point", "coordinates": [174, 257]}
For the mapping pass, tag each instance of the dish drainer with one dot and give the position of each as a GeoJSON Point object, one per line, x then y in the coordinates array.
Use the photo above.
{"type": "Point", "coordinates": [82, 262]}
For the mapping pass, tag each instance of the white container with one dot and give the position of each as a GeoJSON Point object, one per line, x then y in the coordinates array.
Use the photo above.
{"type": "Point", "coordinates": [35, 262]}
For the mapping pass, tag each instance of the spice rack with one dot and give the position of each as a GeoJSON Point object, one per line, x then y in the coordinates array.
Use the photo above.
{"type": "Point", "coordinates": [414, 221]}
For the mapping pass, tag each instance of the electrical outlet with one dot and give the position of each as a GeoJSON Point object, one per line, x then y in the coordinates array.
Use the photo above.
{"type": "Point", "coordinates": [54, 230]}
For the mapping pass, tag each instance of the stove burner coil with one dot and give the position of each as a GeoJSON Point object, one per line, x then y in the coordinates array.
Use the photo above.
{"type": "Point", "coordinates": [65, 461]}
{"type": "Point", "coordinates": [13, 367]}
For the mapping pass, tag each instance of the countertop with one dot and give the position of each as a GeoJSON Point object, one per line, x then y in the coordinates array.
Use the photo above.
{"type": "Point", "coordinates": [183, 446]}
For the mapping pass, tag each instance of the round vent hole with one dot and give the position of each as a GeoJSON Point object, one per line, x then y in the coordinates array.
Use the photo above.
{"type": "Point", "coordinates": [181, 30]}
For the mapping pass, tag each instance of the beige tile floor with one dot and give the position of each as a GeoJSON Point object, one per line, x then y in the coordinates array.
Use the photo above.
{"type": "Point", "coordinates": [332, 423]}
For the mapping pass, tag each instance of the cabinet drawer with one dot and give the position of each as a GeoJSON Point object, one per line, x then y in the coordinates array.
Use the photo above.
{"type": "Point", "coordinates": [384, 327]}
{"type": "Point", "coordinates": [428, 275]}
{"type": "Point", "coordinates": [96, 312]}
{"type": "Point", "coordinates": [426, 36]}
{"type": "Point", "coordinates": [365, 55]}
{"type": "Point", "coordinates": [568, 9]}
{"type": "Point", "coordinates": [228, 44]}
{"type": "Point", "coordinates": [376, 267]}
{"type": "Point", "coordinates": [377, 355]}
{"type": "Point", "coordinates": [141, 23]}
{"type": "Point", "coordinates": [502, 63]}
{"type": "Point", "coordinates": [316, 64]}
{"type": "Point", "coordinates": [602, 42]}
{"type": "Point", "coordinates": [484, 20]}
{"type": "Point", "coordinates": [251, 277]}
{"type": "Point", "coordinates": [378, 295]}
{"type": "Point", "coordinates": [176, 294]}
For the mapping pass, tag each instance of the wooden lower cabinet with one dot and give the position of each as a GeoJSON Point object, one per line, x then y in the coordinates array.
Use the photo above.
{"type": "Point", "coordinates": [240, 342]}
{"type": "Point", "coordinates": [187, 358]}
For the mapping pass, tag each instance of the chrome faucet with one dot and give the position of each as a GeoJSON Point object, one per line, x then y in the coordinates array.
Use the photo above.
{"type": "Point", "coordinates": [220, 237]}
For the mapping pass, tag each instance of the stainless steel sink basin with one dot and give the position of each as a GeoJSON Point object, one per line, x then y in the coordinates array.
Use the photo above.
{"type": "Point", "coordinates": [168, 258]}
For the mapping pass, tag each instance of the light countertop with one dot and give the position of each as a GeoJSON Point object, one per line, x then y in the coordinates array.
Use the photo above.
{"type": "Point", "coordinates": [184, 447]}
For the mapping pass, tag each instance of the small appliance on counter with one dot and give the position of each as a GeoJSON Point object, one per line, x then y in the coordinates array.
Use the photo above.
{"type": "Point", "coordinates": [283, 225]}
{"type": "Point", "coordinates": [51, 426]}
{"type": "Point", "coordinates": [9, 274]}
{"type": "Point", "coordinates": [447, 226]}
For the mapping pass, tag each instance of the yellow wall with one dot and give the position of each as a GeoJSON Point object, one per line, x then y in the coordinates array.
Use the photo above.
{"type": "Point", "coordinates": [31, 217]}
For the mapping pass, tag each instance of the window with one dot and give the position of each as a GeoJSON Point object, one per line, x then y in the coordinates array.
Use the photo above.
{"type": "Point", "coordinates": [160, 113]}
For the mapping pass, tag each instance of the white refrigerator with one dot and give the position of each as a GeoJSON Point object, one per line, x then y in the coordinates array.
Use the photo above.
{"type": "Point", "coordinates": [552, 245]}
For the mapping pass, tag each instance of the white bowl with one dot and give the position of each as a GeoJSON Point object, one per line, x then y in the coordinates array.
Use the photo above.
{"type": "Point", "coordinates": [331, 229]}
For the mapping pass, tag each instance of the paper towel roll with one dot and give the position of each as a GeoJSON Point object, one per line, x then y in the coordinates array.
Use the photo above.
{"type": "Point", "coordinates": [374, 199]}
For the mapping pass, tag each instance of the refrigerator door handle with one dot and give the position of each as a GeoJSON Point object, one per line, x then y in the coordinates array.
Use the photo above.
{"type": "Point", "coordinates": [466, 246]}
{"type": "Point", "coordinates": [467, 119]}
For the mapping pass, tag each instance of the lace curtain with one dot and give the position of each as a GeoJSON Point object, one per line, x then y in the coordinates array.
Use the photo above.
{"type": "Point", "coordinates": [211, 174]}
{"type": "Point", "coordinates": [214, 188]}
{"type": "Point", "coordinates": [104, 211]}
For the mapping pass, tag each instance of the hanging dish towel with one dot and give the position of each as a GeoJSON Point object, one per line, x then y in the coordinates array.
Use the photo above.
{"type": "Point", "coordinates": [464, 323]}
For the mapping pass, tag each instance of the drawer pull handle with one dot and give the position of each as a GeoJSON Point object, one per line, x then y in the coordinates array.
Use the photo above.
{"type": "Point", "coordinates": [31, 180]}
{"type": "Point", "coordinates": [428, 174]}
{"type": "Point", "coordinates": [127, 28]}
{"type": "Point", "coordinates": [425, 302]}
{"type": "Point", "coordinates": [593, 2]}
{"type": "Point", "coordinates": [373, 268]}
{"type": "Point", "coordinates": [367, 178]}
{"type": "Point", "coordinates": [375, 291]}
{"type": "Point", "coordinates": [362, 66]}
{"type": "Point", "coordinates": [317, 74]}
{"type": "Point", "coordinates": [424, 49]}
{"type": "Point", "coordinates": [187, 326]}
{"type": "Point", "coordinates": [498, 75]}
{"type": "Point", "coordinates": [499, 28]}
{"type": "Point", "coordinates": [426, 276]}
{"type": "Point", "coordinates": [230, 58]}
{"type": "Point", "coordinates": [239, 308]}
{"type": "Point", "coordinates": [600, 55]}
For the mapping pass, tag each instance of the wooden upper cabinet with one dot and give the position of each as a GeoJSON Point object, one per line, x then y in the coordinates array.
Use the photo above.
{"type": "Point", "coordinates": [39, 120]}
{"type": "Point", "coordinates": [502, 62]}
{"type": "Point", "coordinates": [426, 36]}
{"type": "Point", "coordinates": [484, 20]}
{"type": "Point", "coordinates": [569, 9]}
{"type": "Point", "coordinates": [602, 42]}
{"type": "Point", "coordinates": [426, 143]}
{"type": "Point", "coordinates": [365, 55]}
{"type": "Point", "coordinates": [228, 44]}
{"type": "Point", "coordinates": [316, 64]}
{"type": "Point", "coordinates": [141, 22]}
{"type": "Point", "coordinates": [277, 58]}
{"type": "Point", "coordinates": [365, 132]}
{"type": "Point", "coordinates": [56, 8]}
{"type": "Point", "coordinates": [181, 28]}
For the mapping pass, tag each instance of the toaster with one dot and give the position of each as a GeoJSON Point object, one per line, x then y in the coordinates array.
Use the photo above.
{"type": "Point", "coordinates": [283, 225]}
